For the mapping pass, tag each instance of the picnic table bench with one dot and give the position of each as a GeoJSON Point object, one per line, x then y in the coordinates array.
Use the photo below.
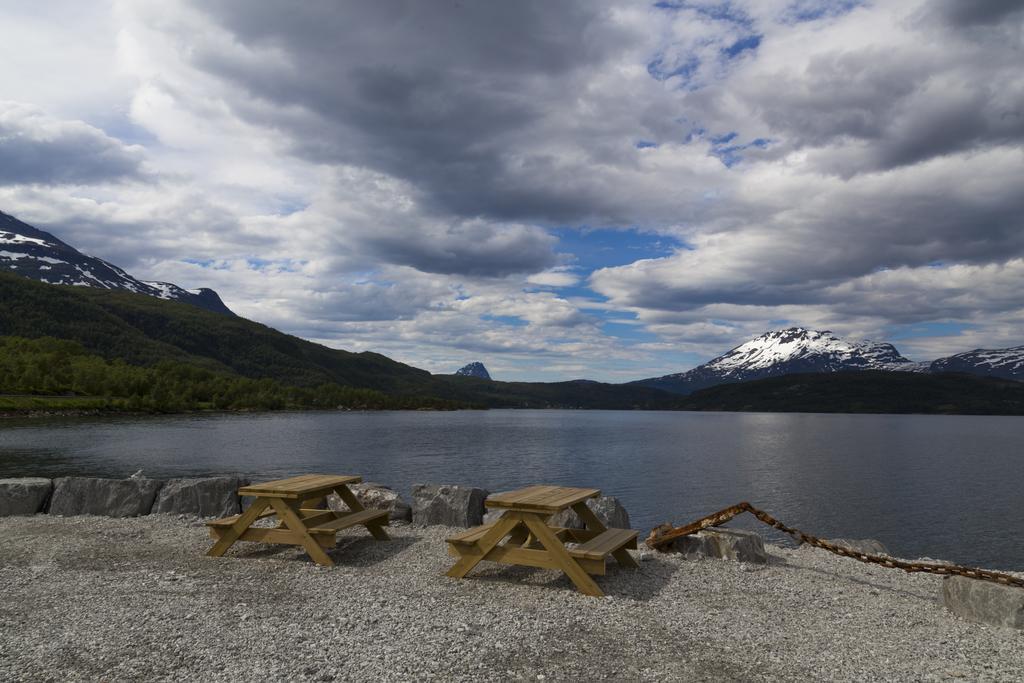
{"type": "Point", "coordinates": [532, 542]}
{"type": "Point", "coordinates": [300, 521]}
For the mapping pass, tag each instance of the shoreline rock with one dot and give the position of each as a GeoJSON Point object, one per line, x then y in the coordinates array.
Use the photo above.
{"type": "Point", "coordinates": [375, 497]}
{"type": "Point", "coordinates": [608, 509]}
{"type": "Point", "coordinates": [203, 497]}
{"type": "Point", "coordinates": [984, 602]}
{"type": "Point", "coordinates": [103, 497]}
{"type": "Point", "coordinates": [24, 496]}
{"type": "Point", "coordinates": [723, 543]}
{"type": "Point", "coordinates": [446, 505]}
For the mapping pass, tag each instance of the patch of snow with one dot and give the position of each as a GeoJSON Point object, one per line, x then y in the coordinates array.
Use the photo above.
{"type": "Point", "coordinates": [15, 238]}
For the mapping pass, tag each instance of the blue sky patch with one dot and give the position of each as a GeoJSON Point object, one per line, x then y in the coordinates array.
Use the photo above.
{"type": "Point", "coordinates": [813, 10]}
{"type": "Point", "coordinates": [750, 42]}
{"type": "Point", "coordinates": [512, 320]}
{"type": "Point", "coordinates": [660, 71]}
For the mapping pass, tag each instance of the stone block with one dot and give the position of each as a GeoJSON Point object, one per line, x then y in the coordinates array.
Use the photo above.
{"type": "Point", "coordinates": [104, 497]}
{"type": "Point", "coordinates": [608, 509]}
{"type": "Point", "coordinates": [203, 497]}
{"type": "Point", "coordinates": [447, 505]}
{"type": "Point", "coordinates": [868, 546]}
{"type": "Point", "coordinates": [23, 496]}
{"type": "Point", "coordinates": [375, 497]}
{"type": "Point", "coordinates": [984, 602]}
{"type": "Point", "coordinates": [728, 544]}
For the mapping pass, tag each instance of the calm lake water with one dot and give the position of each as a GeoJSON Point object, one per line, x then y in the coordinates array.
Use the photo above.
{"type": "Point", "coordinates": [949, 487]}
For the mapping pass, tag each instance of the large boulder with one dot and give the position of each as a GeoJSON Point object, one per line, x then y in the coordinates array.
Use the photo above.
{"type": "Point", "coordinates": [375, 497]}
{"type": "Point", "coordinates": [608, 509]}
{"type": "Point", "coordinates": [447, 505]}
{"type": "Point", "coordinates": [104, 497]}
{"type": "Point", "coordinates": [868, 546]}
{"type": "Point", "coordinates": [984, 602]}
{"type": "Point", "coordinates": [204, 497]}
{"type": "Point", "coordinates": [728, 544]}
{"type": "Point", "coordinates": [25, 496]}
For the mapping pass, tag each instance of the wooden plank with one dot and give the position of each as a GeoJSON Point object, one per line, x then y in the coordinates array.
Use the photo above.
{"type": "Point", "coordinates": [346, 519]}
{"type": "Point", "coordinates": [624, 559]}
{"type": "Point", "coordinates": [561, 556]}
{"type": "Point", "coordinates": [292, 520]}
{"type": "Point", "coordinates": [303, 486]}
{"type": "Point", "coordinates": [231, 533]}
{"type": "Point", "coordinates": [375, 525]}
{"type": "Point", "coordinates": [508, 554]}
{"type": "Point", "coordinates": [472, 555]}
{"type": "Point", "coordinates": [470, 536]}
{"type": "Point", "coordinates": [550, 499]}
{"type": "Point", "coordinates": [228, 521]}
{"type": "Point", "coordinates": [273, 535]}
{"type": "Point", "coordinates": [587, 516]}
{"type": "Point", "coordinates": [538, 558]}
{"type": "Point", "coordinates": [314, 518]}
{"type": "Point", "coordinates": [605, 544]}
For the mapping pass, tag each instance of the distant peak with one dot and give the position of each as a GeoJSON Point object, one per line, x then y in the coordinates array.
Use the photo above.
{"type": "Point", "coordinates": [474, 369]}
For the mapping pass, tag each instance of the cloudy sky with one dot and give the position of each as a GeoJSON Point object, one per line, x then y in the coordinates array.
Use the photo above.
{"type": "Point", "coordinates": [611, 190]}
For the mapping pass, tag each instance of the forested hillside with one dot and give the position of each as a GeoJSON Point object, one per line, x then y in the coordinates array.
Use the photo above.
{"type": "Point", "coordinates": [59, 374]}
{"type": "Point", "coordinates": [176, 341]}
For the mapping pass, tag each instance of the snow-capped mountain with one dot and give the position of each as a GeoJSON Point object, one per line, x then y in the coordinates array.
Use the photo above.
{"type": "Point", "coordinates": [35, 254]}
{"type": "Point", "coordinates": [1004, 363]}
{"type": "Point", "coordinates": [783, 352]}
{"type": "Point", "coordinates": [475, 369]}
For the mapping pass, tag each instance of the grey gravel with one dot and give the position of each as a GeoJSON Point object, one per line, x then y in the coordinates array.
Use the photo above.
{"type": "Point", "coordinates": [92, 598]}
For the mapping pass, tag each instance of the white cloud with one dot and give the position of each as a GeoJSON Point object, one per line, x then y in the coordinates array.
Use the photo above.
{"type": "Point", "coordinates": [390, 176]}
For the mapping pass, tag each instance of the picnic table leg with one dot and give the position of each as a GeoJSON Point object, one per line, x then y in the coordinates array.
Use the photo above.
{"type": "Point", "coordinates": [231, 534]}
{"type": "Point", "coordinates": [375, 528]}
{"type": "Point", "coordinates": [561, 556]}
{"type": "Point", "coordinates": [295, 524]}
{"type": "Point", "coordinates": [473, 555]}
{"type": "Point", "coordinates": [591, 521]}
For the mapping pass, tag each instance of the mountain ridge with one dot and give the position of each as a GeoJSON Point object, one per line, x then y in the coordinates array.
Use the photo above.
{"type": "Point", "coordinates": [143, 330]}
{"type": "Point", "coordinates": [797, 350]}
{"type": "Point", "coordinates": [33, 253]}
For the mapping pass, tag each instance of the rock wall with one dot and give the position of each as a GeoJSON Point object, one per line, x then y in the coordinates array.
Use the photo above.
{"type": "Point", "coordinates": [25, 496]}
{"type": "Point", "coordinates": [205, 497]}
{"type": "Point", "coordinates": [104, 497]}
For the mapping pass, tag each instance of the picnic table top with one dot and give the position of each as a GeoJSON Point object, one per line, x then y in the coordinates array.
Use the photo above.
{"type": "Point", "coordinates": [302, 486]}
{"type": "Point", "coordinates": [541, 498]}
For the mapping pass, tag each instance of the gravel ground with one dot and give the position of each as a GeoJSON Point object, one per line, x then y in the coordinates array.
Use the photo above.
{"type": "Point", "coordinates": [90, 598]}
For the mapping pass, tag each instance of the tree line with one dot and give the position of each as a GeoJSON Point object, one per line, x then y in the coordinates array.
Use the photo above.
{"type": "Point", "coordinates": [61, 368]}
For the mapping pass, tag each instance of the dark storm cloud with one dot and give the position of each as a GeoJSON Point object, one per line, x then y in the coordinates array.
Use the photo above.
{"type": "Point", "coordinates": [473, 248]}
{"type": "Point", "coordinates": [974, 12]}
{"type": "Point", "coordinates": [37, 149]}
{"type": "Point", "coordinates": [454, 97]}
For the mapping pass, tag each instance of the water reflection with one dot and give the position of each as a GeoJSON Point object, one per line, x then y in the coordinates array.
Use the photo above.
{"type": "Point", "coordinates": [924, 485]}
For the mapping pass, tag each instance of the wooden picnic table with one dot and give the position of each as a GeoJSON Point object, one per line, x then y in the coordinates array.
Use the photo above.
{"type": "Point", "coordinates": [300, 521]}
{"type": "Point", "coordinates": [533, 543]}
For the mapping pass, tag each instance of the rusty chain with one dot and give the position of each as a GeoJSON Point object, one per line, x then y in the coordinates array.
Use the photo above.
{"type": "Point", "coordinates": [663, 535]}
